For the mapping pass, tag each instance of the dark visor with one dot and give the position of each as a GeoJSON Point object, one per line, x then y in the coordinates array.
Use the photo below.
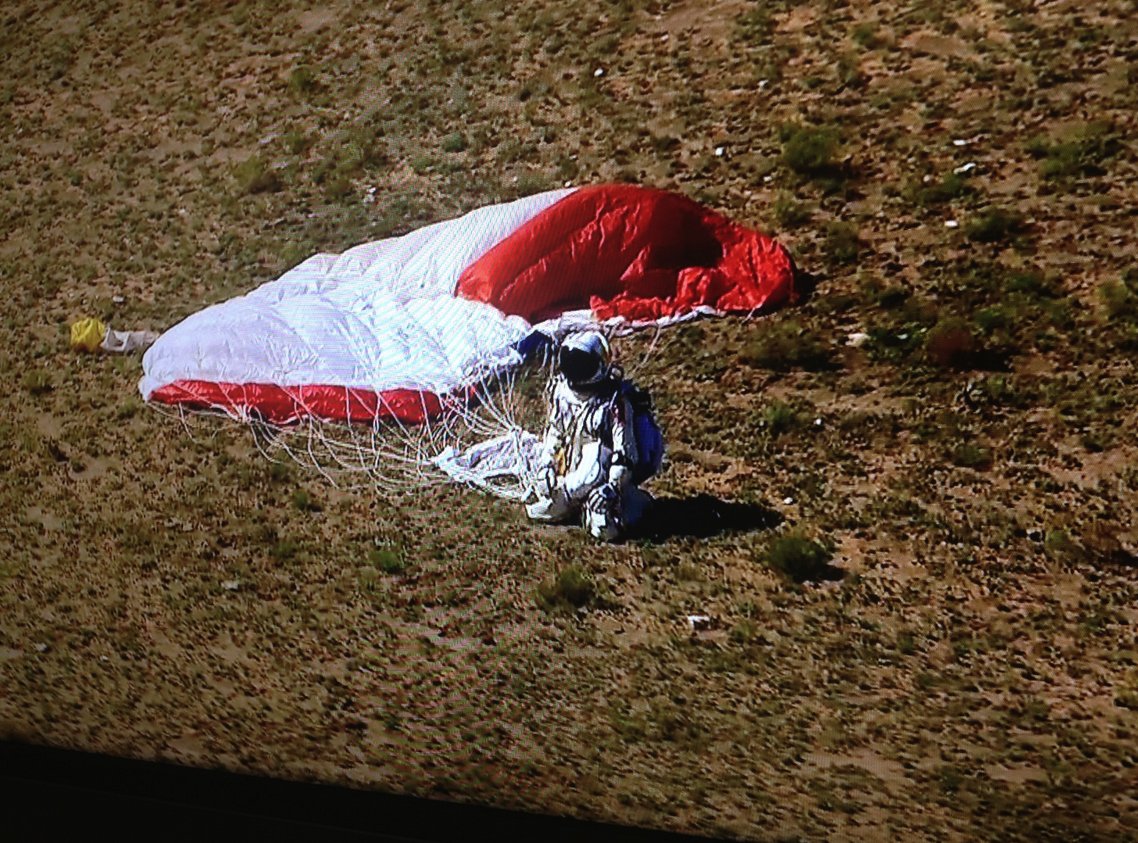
{"type": "Point", "coordinates": [578, 366]}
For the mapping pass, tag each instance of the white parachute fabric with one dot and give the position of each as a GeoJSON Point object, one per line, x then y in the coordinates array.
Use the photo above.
{"type": "Point", "coordinates": [379, 317]}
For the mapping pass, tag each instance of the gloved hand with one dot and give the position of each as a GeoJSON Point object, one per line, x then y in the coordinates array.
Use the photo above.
{"type": "Point", "coordinates": [545, 479]}
{"type": "Point", "coordinates": [602, 500]}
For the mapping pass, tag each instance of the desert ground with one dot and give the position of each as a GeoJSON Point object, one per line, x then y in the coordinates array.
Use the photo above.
{"type": "Point", "coordinates": [907, 503]}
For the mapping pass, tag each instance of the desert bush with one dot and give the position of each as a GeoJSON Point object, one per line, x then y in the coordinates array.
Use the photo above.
{"type": "Point", "coordinates": [951, 344]}
{"type": "Point", "coordinates": [778, 418]}
{"type": "Point", "coordinates": [1080, 151]}
{"type": "Point", "coordinates": [788, 213]}
{"type": "Point", "coordinates": [254, 175]}
{"type": "Point", "coordinates": [302, 82]}
{"type": "Point", "coordinates": [800, 558]}
{"type": "Point", "coordinates": [971, 455]}
{"type": "Point", "coordinates": [809, 151]}
{"type": "Point", "coordinates": [1120, 300]}
{"type": "Point", "coordinates": [454, 142]}
{"type": "Point", "coordinates": [995, 225]}
{"type": "Point", "coordinates": [572, 588]}
{"type": "Point", "coordinates": [387, 559]}
{"type": "Point", "coordinates": [842, 243]}
{"type": "Point", "coordinates": [950, 186]}
{"type": "Point", "coordinates": [783, 346]}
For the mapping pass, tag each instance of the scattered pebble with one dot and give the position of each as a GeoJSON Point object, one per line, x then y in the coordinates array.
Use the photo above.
{"type": "Point", "coordinates": [818, 422]}
{"type": "Point", "coordinates": [788, 500]}
{"type": "Point", "coordinates": [719, 151]}
{"type": "Point", "coordinates": [965, 168]}
{"type": "Point", "coordinates": [118, 299]}
{"type": "Point", "coordinates": [951, 224]}
{"type": "Point", "coordinates": [763, 83]}
{"type": "Point", "coordinates": [600, 71]}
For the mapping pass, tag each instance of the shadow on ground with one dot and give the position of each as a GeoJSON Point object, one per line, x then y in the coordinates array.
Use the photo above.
{"type": "Point", "coordinates": [703, 516]}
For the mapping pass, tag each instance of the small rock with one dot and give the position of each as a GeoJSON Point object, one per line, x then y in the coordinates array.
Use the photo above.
{"type": "Point", "coordinates": [231, 585]}
{"type": "Point", "coordinates": [818, 422]}
{"type": "Point", "coordinates": [118, 299]}
{"type": "Point", "coordinates": [965, 168]}
{"type": "Point", "coordinates": [599, 72]}
{"type": "Point", "coordinates": [788, 500]}
{"type": "Point", "coordinates": [719, 151]}
{"type": "Point", "coordinates": [41, 648]}
{"type": "Point", "coordinates": [951, 224]}
{"type": "Point", "coordinates": [857, 339]}
{"type": "Point", "coordinates": [698, 622]}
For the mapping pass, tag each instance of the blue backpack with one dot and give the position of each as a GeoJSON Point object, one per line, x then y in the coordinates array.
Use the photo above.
{"type": "Point", "coordinates": [646, 430]}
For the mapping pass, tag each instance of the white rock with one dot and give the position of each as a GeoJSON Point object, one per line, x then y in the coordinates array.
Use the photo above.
{"type": "Point", "coordinates": [719, 151]}
{"type": "Point", "coordinates": [600, 71]}
{"type": "Point", "coordinates": [951, 224]}
{"type": "Point", "coordinates": [788, 500]}
{"type": "Point", "coordinates": [857, 339]}
{"type": "Point", "coordinates": [965, 168]}
{"type": "Point", "coordinates": [699, 621]}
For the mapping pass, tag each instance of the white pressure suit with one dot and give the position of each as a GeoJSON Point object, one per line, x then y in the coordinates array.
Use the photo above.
{"type": "Point", "coordinates": [587, 456]}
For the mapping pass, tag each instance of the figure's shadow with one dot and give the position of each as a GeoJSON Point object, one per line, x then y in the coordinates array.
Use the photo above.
{"type": "Point", "coordinates": [701, 517]}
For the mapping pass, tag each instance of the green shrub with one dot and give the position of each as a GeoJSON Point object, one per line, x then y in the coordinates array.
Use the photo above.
{"type": "Point", "coordinates": [254, 176]}
{"type": "Point", "coordinates": [1080, 151]}
{"type": "Point", "coordinates": [995, 225]}
{"type": "Point", "coordinates": [951, 186]}
{"type": "Point", "coordinates": [788, 213]}
{"type": "Point", "coordinates": [571, 589]}
{"type": "Point", "coordinates": [304, 502]}
{"type": "Point", "coordinates": [1120, 301]}
{"type": "Point", "coordinates": [951, 344]}
{"type": "Point", "coordinates": [810, 151]}
{"type": "Point", "coordinates": [389, 560]}
{"type": "Point", "coordinates": [302, 81]}
{"type": "Point", "coordinates": [971, 455]}
{"type": "Point", "coordinates": [800, 558]}
{"type": "Point", "coordinates": [455, 142]}
{"type": "Point", "coordinates": [779, 417]}
{"type": "Point", "coordinates": [783, 346]}
{"type": "Point", "coordinates": [37, 382]}
{"type": "Point", "coordinates": [842, 243]}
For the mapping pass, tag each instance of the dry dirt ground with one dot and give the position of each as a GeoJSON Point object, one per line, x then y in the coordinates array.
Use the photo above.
{"type": "Point", "coordinates": [965, 667]}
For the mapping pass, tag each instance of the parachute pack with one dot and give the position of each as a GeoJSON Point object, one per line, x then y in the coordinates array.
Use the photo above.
{"type": "Point", "coordinates": [646, 430]}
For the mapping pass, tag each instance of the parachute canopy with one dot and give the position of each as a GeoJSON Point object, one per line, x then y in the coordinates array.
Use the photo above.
{"type": "Point", "coordinates": [391, 328]}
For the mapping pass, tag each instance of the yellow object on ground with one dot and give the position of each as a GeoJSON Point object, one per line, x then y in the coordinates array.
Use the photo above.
{"type": "Point", "coordinates": [87, 334]}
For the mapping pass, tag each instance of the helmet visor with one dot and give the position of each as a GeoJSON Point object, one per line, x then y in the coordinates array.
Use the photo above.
{"type": "Point", "coordinates": [578, 366]}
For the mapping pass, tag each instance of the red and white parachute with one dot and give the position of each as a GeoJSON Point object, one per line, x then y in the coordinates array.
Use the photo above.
{"type": "Point", "coordinates": [401, 329]}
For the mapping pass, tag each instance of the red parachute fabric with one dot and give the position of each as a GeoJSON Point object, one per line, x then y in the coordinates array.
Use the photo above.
{"type": "Point", "coordinates": [622, 251]}
{"type": "Point", "coordinates": [633, 252]}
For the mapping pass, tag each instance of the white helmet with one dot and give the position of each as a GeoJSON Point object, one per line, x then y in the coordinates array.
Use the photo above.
{"type": "Point", "coordinates": [584, 358]}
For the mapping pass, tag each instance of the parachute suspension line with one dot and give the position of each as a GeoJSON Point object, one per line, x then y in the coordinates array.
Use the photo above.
{"type": "Point", "coordinates": [657, 331]}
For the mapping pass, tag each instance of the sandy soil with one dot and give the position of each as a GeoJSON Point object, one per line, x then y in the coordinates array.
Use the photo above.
{"type": "Point", "coordinates": [968, 667]}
